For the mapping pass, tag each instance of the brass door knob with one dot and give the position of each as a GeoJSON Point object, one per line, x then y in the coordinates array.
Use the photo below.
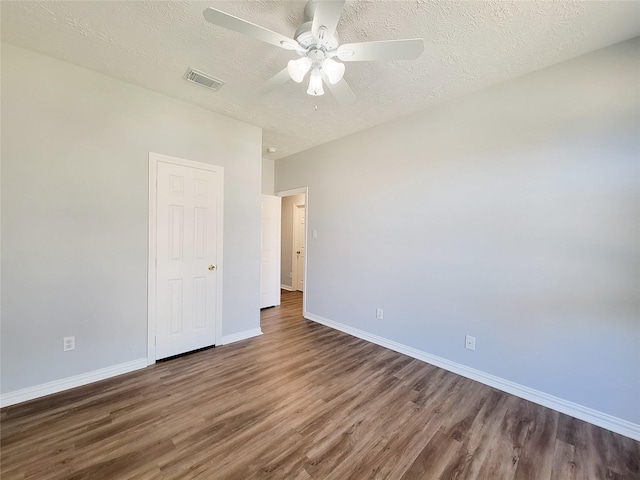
{"type": "Point", "coordinates": [211, 267]}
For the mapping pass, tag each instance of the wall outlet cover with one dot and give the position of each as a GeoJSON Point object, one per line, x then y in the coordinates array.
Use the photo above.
{"type": "Point", "coordinates": [68, 343]}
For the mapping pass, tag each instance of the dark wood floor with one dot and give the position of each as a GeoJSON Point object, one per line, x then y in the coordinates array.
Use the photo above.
{"type": "Point", "coordinates": [301, 402]}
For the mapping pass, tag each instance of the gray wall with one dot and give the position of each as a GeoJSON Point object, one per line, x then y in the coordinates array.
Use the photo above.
{"type": "Point", "coordinates": [511, 214]}
{"type": "Point", "coordinates": [75, 148]}
{"type": "Point", "coordinates": [268, 172]}
{"type": "Point", "coordinates": [286, 238]}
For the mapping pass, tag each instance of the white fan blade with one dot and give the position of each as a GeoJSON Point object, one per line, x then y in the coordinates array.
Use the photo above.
{"type": "Point", "coordinates": [239, 25]}
{"type": "Point", "coordinates": [382, 50]}
{"type": "Point", "coordinates": [326, 14]}
{"type": "Point", "coordinates": [276, 81]}
{"type": "Point", "coordinates": [341, 90]}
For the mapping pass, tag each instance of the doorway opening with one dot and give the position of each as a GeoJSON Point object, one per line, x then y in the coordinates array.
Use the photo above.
{"type": "Point", "coordinates": [293, 270]}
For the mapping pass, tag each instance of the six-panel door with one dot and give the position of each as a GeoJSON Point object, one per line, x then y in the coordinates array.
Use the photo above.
{"type": "Point", "coordinates": [186, 259]}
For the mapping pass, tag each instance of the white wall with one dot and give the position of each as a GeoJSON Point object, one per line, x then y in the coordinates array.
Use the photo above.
{"type": "Point", "coordinates": [286, 236]}
{"type": "Point", "coordinates": [75, 148]}
{"type": "Point", "coordinates": [511, 214]}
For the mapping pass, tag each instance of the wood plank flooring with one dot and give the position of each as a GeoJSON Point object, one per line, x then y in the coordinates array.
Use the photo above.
{"type": "Point", "coordinates": [301, 402]}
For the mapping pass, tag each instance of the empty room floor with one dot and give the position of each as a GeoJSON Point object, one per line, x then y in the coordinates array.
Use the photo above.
{"type": "Point", "coordinates": [302, 401]}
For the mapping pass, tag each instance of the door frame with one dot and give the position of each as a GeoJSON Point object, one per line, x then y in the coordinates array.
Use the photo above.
{"type": "Point", "coordinates": [288, 193]}
{"type": "Point", "coordinates": [154, 159]}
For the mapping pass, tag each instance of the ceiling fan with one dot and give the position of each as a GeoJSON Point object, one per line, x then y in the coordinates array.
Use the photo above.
{"type": "Point", "coordinates": [316, 43]}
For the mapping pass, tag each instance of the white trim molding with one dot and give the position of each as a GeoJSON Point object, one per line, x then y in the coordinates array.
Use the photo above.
{"type": "Point", "coordinates": [288, 288]}
{"type": "Point", "coordinates": [56, 386]}
{"type": "Point", "coordinates": [293, 191]}
{"type": "Point", "coordinates": [617, 425]}
{"type": "Point", "coordinates": [236, 337]}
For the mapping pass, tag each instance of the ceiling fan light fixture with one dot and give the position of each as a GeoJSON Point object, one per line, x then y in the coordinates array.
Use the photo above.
{"type": "Point", "coordinates": [316, 41]}
{"type": "Point", "coordinates": [298, 68]}
{"type": "Point", "coordinates": [315, 83]}
{"type": "Point", "coordinates": [333, 69]}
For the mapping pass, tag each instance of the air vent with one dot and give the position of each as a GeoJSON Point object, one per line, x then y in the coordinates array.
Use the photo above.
{"type": "Point", "coordinates": [203, 79]}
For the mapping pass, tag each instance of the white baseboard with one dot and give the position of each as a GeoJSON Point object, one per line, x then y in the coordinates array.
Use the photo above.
{"type": "Point", "coordinates": [287, 288]}
{"type": "Point", "coordinates": [617, 425]}
{"type": "Point", "coordinates": [236, 337]}
{"type": "Point", "coordinates": [56, 386]}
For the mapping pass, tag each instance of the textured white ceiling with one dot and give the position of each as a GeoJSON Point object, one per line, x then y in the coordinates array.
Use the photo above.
{"type": "Point", "coordinates": [468, 46]}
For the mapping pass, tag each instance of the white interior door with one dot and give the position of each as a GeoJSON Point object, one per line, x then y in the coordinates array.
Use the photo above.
{"type": "Point", "coordinates": [188, 206]}
{"type": "Point", "coordinates": [298, 246]}
{"type": "Point", "coordinates": [270, 263]}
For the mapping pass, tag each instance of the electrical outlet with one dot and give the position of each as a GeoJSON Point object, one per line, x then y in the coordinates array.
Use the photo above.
{"type": "Point", "coordinates": [470, 342]}
{"type": "Point", "coordinates": [379, 314]}
{"type": "Point", "coordinates": [68, 343]}
{"type": "Point", "coordinates": [290, 274]}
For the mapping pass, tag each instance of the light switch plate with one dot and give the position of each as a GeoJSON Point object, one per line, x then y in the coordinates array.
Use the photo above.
{"type": "Point", "coordinates": [470, 342]}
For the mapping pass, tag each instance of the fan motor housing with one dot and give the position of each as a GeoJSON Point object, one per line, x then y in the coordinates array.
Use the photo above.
{"type": "Point", "coordinates": [306, 39]}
